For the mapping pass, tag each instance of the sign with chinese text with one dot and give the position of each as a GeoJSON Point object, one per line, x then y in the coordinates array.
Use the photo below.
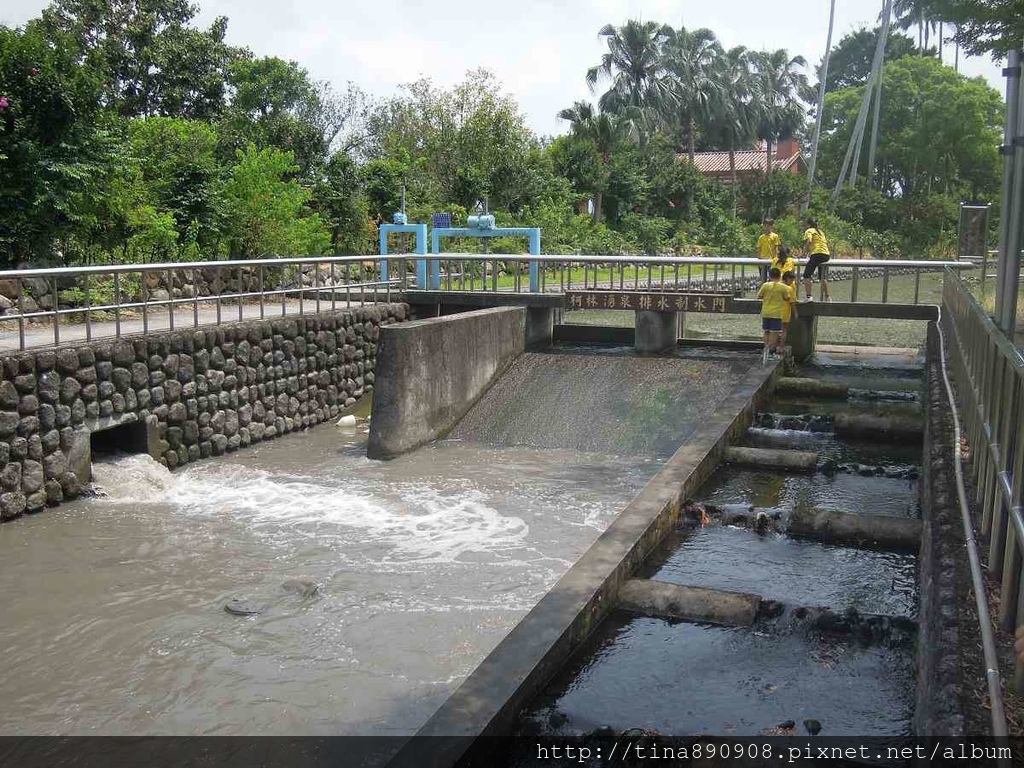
{"type": "Point", "coordinates": [657, 302]}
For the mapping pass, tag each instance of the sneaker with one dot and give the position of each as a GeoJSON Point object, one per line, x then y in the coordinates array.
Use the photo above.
{"type": "Point", "coordinates": [809, 298]}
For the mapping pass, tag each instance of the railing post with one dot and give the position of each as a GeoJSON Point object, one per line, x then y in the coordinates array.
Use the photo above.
{"type": "Point", "coordinates": [1012, 191]}
{"type": "Point", "coordinates": [534, 264]}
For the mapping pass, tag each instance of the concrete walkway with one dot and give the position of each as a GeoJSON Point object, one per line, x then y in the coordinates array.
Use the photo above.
{"type": "Point", "coordinates": [42, 335]}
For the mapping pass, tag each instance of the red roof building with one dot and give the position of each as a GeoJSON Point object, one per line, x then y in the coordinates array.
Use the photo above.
{"type": "Point", "coordinates": [786, 157]}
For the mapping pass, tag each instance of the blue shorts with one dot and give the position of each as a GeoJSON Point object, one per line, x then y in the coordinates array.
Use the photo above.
{"type": "Point", "coordinates": [771, 323]}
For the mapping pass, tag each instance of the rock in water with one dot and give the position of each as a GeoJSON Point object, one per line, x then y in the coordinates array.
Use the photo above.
{"type": "Point", "coordinates": [301, 587]}
{"type": "Point", "coordinates": [239, 606]}
{"type": "Point", "coordinates": [813, 727]}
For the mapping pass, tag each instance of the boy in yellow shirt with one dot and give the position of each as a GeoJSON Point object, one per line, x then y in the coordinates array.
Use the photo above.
{"type": "Point", "coordinates": [768, 246]}
{"type": "Point", "coordinates": [789, 310]}
{"type": "Point", "coordinates": [774, 295]}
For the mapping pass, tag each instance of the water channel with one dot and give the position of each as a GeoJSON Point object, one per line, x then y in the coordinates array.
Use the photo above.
{"type": "Point", "coordinates": [113, 606]}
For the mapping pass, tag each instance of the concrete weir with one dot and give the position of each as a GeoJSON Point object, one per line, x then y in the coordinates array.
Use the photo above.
{"type": "Point", "coordinates": [772, 458]}
{"type": "Point", "coordinates": [489, 700]}
{"type": "Point", "coordinates": [867, 425]}
{"type": "Point", "coordinates": [804, 387]}
{"type": "Point", "coordinates": [430, 372]}
{"type": "Point", "coordinates": [881, 531]}
{"type": "Point", "coordinates": [715, 606]}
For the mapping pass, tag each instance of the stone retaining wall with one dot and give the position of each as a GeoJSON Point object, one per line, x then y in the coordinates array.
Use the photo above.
{"type": "Point", "coordinates": [198, 393]}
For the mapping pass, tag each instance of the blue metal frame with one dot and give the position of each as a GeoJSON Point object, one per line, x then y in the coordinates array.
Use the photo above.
{"type": "Point", "coordinates": [533, 233]}
{"type": "Point", "coordinates": [420, 230]}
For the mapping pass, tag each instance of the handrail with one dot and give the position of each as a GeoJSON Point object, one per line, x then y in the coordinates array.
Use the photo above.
{"type": "Point", "coordinates": [11, 274]}
{"type": "Point", "coordinates": [993, 679]}
{"type": "Point", "coordinates": [990, 374]}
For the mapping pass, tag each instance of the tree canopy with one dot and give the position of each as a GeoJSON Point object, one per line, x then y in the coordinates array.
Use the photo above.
{"type": "Point", "coordinates": [128, 133]}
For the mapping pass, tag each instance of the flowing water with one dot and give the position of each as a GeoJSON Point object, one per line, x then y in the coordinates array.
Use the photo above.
{"type": "Point", "coordinates": [791, 672]}
{"type": "Point", "coordinates": [113, 606]}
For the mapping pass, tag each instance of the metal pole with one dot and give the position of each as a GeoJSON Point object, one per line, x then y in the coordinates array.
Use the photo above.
{"type": "Point", "coordinates": [862, 116]}
{"type": "Point", "coordinates": [1006, 309]}
{"type": "Point", "coordinates": [1012, 74]}
{"type": "Point", "coordinates": [878, 105]}
{"type": "Point", "coordinates": [821, 105]}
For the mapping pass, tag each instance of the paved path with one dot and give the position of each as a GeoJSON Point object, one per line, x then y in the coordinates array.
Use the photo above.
{"type": "Point", "coordinates": [41, 334]}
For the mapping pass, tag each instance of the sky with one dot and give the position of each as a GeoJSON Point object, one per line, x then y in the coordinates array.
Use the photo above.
{"type": "Point", "coordinates": [538, 50]}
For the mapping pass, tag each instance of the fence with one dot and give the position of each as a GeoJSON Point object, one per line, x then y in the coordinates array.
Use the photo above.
{"type": "Point", "coordinates": [73, 301]}
{"type": "Point", "coordinates": [989, 373]}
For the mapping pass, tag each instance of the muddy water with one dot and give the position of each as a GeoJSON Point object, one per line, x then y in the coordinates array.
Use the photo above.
{"type": "Point", "coordinates": [113, 607]}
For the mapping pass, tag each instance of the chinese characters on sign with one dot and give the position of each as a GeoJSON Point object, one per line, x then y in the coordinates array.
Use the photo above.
{"type": "Point", "coordinates": [659, 302]}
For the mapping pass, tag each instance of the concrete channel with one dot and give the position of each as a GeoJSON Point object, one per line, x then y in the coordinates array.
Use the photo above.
{"type": "Point", "coordinates": [776, 578]}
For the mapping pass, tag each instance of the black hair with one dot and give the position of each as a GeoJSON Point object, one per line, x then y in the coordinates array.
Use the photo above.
{"type": "Point", "coordinates": [784, 250]}
{"type": "Point", "coordinates": [769, 221]}
{"type": "Point", "coordinates": [789, 273]}
{"type": "Point", "coordinates": [774, 272]}
{"type": "Point", "coordinates": [813, 223]}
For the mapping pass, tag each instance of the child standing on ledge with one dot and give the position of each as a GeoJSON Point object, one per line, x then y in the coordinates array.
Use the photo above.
{"type": "Point", "coordinates": [773, 296]}
{"type": "Point", "coordinates": [768, 247]}
{"type": "Point", "coordinates": [816, 247]}
{"type": "Point", "coordinates": [789, 308]}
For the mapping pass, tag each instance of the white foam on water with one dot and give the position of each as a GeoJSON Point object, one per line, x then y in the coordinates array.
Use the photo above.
{"type": "Point", "coordinates": [132, 479]}
{"type": "Point", "coordinates": [428, 526]}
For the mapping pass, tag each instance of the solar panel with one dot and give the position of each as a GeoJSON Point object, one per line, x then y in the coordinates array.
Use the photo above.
{"type": "Point", "coordinates": [443, 220]}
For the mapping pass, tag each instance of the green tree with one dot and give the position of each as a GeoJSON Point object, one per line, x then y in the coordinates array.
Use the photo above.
{"type": "Point", "coordinates": [54, 153]}
{"type": "Point", "coordinates": [274, 104]}
{"type": "Point", "coordinates": [939, 131]}
{"type": "Point", "coordinates": [341, 204]}
{"type": "Point", "coordinates": [178, 164]}
{"type": "Point", "coordinates": [634, 64]}
{"type": "Point", "coordinates": [778, 83]}
{"type": "Point", "coordinates": [267, 212]}
{"type": "Point", "coordinates": [851, 59]}
{"type": "Point", "coordinates": [153, 62]}
{"type": "Point", "coordinates": [692, 59]}
{"type": "Point", "coordinates": [982, 26]}
{"type": "Point", "coordinates": [604, 132]}
{"type": "Point", "coordinates": [457, 145]}
{"type": "Point", "coordinates": [734, 113]}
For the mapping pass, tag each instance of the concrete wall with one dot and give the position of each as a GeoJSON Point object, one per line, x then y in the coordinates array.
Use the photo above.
{"type": "Point", "coordinates": [942, 576]}
{"type": "Point", "coordinates": [489, 700]}
{"type": "Point", "coordinates": [431, 371]}
{"type": "Point", "coordinates": [196, 393]}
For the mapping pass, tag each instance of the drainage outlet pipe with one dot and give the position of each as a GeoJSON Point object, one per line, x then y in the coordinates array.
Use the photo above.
{"type": "Point", "coordinates": [873, 426]}
{"type": "Point", "coordinates": [770, 457]}
{"type": "Point", "coordinates": [658, 598]}
{"type": "Point", "coordinates": [879, 531]}
{"type": "Point", "coordinates": [791, 385]}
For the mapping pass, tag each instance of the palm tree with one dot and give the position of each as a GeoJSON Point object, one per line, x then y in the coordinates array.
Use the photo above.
{"type": "Point", "coordinates": [778, 83]}
{"type": "Point", "coordinates": [735, 110]}
{"type": "Point", "coordinates": [604, 131]}
{"type": "Point", "coordinates": [634, 66]}
{"type": "Point", "coordinates": [909, 13]}
{"type": "Point", "coordinates": [692, 60]}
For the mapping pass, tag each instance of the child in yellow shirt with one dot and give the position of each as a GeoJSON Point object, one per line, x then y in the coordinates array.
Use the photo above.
{"type": "Point", "coordinates": [789, 310]}
{"type": "Point", "coordinates": [774, 295]}
{"type": "Point", "coordinates": [768, 246]}
{"type": "Point", "coordinates": [785, 262]}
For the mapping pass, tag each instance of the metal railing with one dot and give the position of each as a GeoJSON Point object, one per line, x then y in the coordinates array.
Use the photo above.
{"type": "Point", "coordinates": [989, 372]}
{"type": "Point", "coordinates": [86, 302]}
{"type": "Point", "coordinates": [139, 294]}
{"type": "Point", "coordinates": [557, 273]}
